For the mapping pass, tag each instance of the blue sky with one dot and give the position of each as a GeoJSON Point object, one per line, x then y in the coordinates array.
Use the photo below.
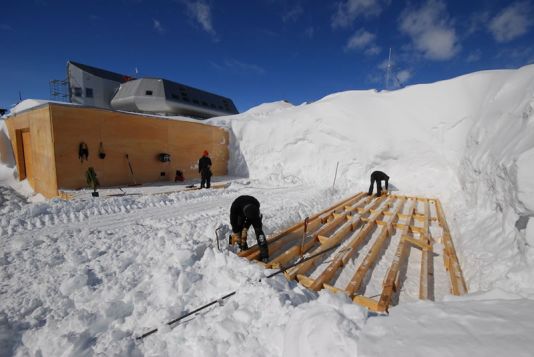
{"type": "Point", "coordinates": [261, 50]}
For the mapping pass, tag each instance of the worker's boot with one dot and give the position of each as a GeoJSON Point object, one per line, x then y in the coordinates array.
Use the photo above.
{"type": "Point", "coordinates": [264, 250]}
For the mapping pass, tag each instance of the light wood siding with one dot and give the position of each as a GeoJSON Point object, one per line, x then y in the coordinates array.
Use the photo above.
{"type": "Point", "coordinates": [142, 138]}
{"type": "Point", "coordinates": [41, 152]}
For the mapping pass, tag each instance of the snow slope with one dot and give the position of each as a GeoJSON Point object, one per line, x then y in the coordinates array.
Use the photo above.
{"type": "Point", "coordinates": [84, 277]}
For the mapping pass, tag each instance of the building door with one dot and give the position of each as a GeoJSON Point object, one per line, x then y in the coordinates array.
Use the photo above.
{"type": "Point", "coordinates": [28, 161]}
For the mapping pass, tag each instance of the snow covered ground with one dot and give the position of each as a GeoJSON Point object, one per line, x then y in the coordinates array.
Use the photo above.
{"type": "Point", "coordinates": [84, 277]}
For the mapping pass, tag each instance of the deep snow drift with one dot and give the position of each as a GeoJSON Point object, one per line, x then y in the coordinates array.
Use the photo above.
{"type": "Point", "coordinates": [86, 276]}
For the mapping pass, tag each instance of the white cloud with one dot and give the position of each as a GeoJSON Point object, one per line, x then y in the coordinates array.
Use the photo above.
{"type": "Point", "coordinates": [360, 39]}
{"type": "Point", "coordinates": [430, 30]}
{"type": "Point", "coordinates": [200, 11]}
{"type": "Point", "coordinates": [512, 22]}
{"type": "Point", "coordinates": [349, 10]}
{"type": "Point", "coordinates": [363, 40]}
{"type": "Point", "coordinates": [293, 14]}
{"type": "Point", "coordinates": [373, 50]}
{"type": "Point", "coordinates": [403, 76]}
{"type": "Point", "coordinates": [158, 27]}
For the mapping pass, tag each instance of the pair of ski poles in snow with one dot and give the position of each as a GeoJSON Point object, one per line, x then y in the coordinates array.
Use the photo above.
{"type": "Point", "coordinates": [283, 269]}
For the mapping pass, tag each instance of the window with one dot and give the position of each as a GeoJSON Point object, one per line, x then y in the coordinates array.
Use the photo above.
{"type": "Point", "coordinates": [175, 96]}
{"type": "Point", "coordinates": [204, 104]}
{"type": "Point", "coordinates": [195, 101]}
{"type": "Point", "coordinates": [89, 92]}
{"type": "Point", "coordinates": [212, 105]}
{"type": "Point", "coordinates": [77, 92]}
{"type": "Point", "coordinates": [148, 92]}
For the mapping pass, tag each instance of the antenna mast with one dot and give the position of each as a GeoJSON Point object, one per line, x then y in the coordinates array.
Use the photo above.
{"type": "Point", "coordinates": [388, 70]}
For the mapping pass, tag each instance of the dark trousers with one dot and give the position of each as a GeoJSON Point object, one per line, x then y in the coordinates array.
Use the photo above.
{"type": "Point", "coordinates": [378, 186]}
{"type": "Point", "coordinates": [239, 222]}
{"type": "Point", "coordinates": [205, 181]}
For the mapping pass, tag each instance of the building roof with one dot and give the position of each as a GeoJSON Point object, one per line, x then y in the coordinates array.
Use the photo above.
{"type": "Point", "coordinates": [117, 77]}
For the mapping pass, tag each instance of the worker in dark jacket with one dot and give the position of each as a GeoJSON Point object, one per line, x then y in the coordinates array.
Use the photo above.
{"type": "Point", "coordinates": [204, 168]}
{"type": "Point", "coordinates": [244, 212]}
{"type": "Point", "coordinates": [378, 176]}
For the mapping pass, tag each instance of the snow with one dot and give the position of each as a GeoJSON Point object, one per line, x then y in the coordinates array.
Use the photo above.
{"type": "Point", "coordinates": [85, 277]}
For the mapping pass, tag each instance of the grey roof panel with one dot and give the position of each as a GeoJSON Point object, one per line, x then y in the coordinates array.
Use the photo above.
{"type": "Point", "coordinates": [117, 77]}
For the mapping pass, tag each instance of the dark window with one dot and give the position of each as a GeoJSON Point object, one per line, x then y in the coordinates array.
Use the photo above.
{"type": "Point", "coordinates": [204, 104]}
{"type": "Point", "coordinates": [89, 92]}
{"type": "Point", "coordinates": [220, 106]}
{"type": "Point", "coordinates": [77, 92]}
{"type": "Point", "coordinates": [212, 105]}
{"type": "Point", "coordinates": [148, 92]}
{"type": "Point", "coordinates": [175, 96]}
{"type": "Point", "coordinates": [195, 101]}
{"type": "Point", "coordinates": [185, 99]}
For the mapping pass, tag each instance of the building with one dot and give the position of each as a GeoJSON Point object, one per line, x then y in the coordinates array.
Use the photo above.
{"type": "Point", "coordinates": [49, 144]}
{"type": "Point", "coordinates": [91, 86]}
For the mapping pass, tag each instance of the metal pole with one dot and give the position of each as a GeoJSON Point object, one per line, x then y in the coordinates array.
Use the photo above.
{"type": "Point", "coordinates": [335, 176]}
{"type": "Point", "coordinates": [283, 269]}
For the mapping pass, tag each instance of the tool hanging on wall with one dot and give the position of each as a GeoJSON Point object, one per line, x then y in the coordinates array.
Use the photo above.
{"type": "Point", "coordinates": [101, 153]}
{"type": "Point", "coordinates": [83, 152]}
{"type": "Point", "coordinates": [131, 172]}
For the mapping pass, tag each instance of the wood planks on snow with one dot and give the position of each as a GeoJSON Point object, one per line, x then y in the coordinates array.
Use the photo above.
{"type": "Point", "coordinates": [365, 226]}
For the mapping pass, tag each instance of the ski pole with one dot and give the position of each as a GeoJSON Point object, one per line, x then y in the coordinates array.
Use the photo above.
{"type": "Point", "coordinates": [281, 270]}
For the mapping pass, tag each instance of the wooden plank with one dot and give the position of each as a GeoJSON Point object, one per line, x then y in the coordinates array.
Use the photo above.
{"type": "Point", "coordinates": [419, 243]}
{"type": "Point", "coordinates": [370, 304]}
{"type": "Point", "coordinates": [388, 286]}
{"type": "Point", "coordinates": [424, 277]}
{"type": "Point", "coordinates": [351, 247]}
{"type": "Point", "coordinates": [355, 283]}
{"type": "Point", "coordinates": [305, 281]}
{"type": "Point", "coordinates": [325, 215]}
{"type": "Point", "coordinates": [253, 252]}
{"type": "Point", "coordinates": [303, 268]}
{"type": "Point", "coordinates": [425, 281]}
{"type": "Point", "coordinates": [458, 286]}
{"type": "Point", "coordinates": [285, 257]}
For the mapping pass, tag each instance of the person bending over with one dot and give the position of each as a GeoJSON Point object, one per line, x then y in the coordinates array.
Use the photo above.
{"type": "Point", "coordinates": [378, 177]}
{"type": "Point", "coordinates": [245, 212]}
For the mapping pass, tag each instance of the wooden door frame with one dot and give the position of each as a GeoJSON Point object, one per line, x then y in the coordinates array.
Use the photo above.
{"type": "Point", "coordinates": [21, 159]}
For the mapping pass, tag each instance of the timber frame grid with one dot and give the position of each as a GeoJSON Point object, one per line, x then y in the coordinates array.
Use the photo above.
{"type": "Point", "coordinates": [351, 225]}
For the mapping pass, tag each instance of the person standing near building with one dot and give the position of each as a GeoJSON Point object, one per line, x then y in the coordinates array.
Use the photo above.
{"type": "Point", "coordinates": [378, 176]}
{"type": "Point", "coordinates": [204, 168]}
{"type": "Point", "coordinates": [245, 212]}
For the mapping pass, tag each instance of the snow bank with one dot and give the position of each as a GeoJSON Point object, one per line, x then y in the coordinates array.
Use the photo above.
{"type": "Point", "coordinates": [468, 141]}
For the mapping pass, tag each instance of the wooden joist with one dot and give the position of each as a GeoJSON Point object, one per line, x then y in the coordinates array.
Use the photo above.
{"type": "Point", "coordinates": [458, 286]}
{"type": "Point", "coordinates": [355, 283]}
{"type": "Point", "coordinates": [389, 285]}
{"type": "Point", "coordinates": [350, 224]}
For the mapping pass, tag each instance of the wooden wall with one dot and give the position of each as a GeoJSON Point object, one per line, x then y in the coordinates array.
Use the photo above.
{"type": "Point", "coordinates": [143, 138]}
{"type": "Point", "coordinates": [43, 171]}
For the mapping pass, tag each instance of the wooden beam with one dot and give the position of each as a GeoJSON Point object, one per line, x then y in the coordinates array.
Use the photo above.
{"type": "Point", "coordinates": [425, 281]}
{"type": "Point", "coordinates": [300, 225]}
{"type": "Point", "coordinates": [458, 286]}
{"type": "Point", "coordinates": [389, 286]}
{"type": "Point", "coordinates": [354, 285]}
{"type": "Point", "coordinates": [303, 268]}
{"type": "Point", "coordinates": [351, 247]}
{"type": "Point", "coordinates": [370, 304]}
